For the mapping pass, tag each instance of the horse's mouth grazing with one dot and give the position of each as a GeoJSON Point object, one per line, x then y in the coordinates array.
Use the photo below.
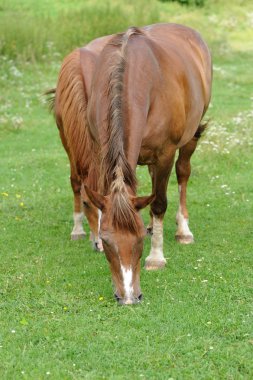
{"type": "Point", "coordinates": [135, 300]}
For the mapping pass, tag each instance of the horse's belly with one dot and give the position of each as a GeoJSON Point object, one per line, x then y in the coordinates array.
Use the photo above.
{"type": "Point", "coordinates": [190, 128]}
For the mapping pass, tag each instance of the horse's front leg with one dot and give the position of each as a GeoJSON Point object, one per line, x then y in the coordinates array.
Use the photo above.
{"type": "Point", "coordinates": [160, 177]}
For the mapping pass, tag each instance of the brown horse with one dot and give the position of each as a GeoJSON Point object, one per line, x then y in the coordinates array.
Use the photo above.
{"type": "Point", "coordinates": [69, 102]}
{"type": "Point", "coordinates": [139, 96]}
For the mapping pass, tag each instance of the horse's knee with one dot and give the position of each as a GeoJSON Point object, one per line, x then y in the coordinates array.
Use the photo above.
{"type": "Point", "coordinates": [159, 206]}
{"type": "Point", "coordinates": [75, 184]}
{"type": "Point", "coordinates": [183, 170]}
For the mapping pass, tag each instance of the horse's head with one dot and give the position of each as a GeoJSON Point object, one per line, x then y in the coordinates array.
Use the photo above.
{"type": "Point", "coordinates": [93, 215]}
{"type": "Point", "coordinates": [122, 232]}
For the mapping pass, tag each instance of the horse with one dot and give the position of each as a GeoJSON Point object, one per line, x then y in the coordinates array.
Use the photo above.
{"type": "Point", "coordinates": [142, 95]}
{"type": "Point", "coordinates": [68, 101]}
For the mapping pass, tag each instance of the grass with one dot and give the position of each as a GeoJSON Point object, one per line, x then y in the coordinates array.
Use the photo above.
{"type": "Point", "coordinates": [58, 318]}
{"type": "Point", "coordinates": [68, 25]}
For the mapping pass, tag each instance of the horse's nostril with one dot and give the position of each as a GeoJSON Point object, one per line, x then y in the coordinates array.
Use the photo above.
{"type": "Point", "coordinates": [117, 297]}
{"type": "Point", "coordinates": [140, 297]}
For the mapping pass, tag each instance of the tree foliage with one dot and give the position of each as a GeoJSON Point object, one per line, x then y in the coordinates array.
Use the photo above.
{"type": "Point", "coordinates": [198, 3]}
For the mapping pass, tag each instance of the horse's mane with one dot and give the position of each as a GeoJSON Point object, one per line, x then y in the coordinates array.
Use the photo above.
{"type": "Point", "coordinates": [116, 172]}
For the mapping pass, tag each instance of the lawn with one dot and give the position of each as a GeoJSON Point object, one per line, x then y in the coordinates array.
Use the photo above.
{"type": "Point", "coordinates": [58, 318]}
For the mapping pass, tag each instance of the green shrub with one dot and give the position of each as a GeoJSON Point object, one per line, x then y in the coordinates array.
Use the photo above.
{"type": "Point", "coordinates": [198, 3]}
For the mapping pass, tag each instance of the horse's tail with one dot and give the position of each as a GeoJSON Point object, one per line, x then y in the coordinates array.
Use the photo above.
{"type": "Point", "coordinates": [201, 129]}
{"type": "Point", "coordinates": [69, 105]}
{"type": "Point", "coordinates": [50, 97]}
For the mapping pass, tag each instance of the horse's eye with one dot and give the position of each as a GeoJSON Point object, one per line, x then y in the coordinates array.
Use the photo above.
{"type": "Point", "coordinates": [85, 204]}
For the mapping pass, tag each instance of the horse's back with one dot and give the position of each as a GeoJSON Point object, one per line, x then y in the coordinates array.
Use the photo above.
{"type": "Point", "coordinates": [186, 47]}
{"type": "Point", "coordinates": [183, 89]}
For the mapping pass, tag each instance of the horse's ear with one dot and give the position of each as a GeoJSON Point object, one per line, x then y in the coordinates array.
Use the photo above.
{"type": "Point", "coordinates": [97, 199]}
{"type": "Point", "coordinates": [141, 202]}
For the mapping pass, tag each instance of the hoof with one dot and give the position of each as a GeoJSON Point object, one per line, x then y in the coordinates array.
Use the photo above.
{"type": "Point", "coordinates": [184, 239]}
{"type": "Point", "coordinates": [149, 230]}
{"type": "Point", "coordinates": [154, 265]}
{"type": "Point", "coordinates": [78, 236]}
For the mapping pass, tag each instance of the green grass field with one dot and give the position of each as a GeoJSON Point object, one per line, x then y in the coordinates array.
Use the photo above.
{"type": "Point", "coordinates": [58, 318]}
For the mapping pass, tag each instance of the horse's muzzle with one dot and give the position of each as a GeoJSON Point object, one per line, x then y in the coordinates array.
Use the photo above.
{"type": "Point", "coordinates": [128, 301]}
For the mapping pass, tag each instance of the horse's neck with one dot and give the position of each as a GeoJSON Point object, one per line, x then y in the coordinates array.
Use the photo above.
{"type": "Point", "coordinates": [135, 118]}
{"type": "Point", "coordinates": [133, 145]}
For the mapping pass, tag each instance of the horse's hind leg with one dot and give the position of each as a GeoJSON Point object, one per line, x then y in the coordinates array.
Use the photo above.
{"type": "Point", "coordinates": [78, 231]}
{"type": "Point", "coordinates": [78, 216]}
{"type": "Point", "coordinates": [183, 170]}
{"type": "Point", "coordinates": [150, 225]}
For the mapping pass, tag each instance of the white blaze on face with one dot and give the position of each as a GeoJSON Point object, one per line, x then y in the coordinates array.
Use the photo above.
{"type": "Point", "coordinates": [100, 244]}
{"type": "Point", "coordinates": [127, 275]}
{"type": "Point", "coordinates": [99, 219]}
